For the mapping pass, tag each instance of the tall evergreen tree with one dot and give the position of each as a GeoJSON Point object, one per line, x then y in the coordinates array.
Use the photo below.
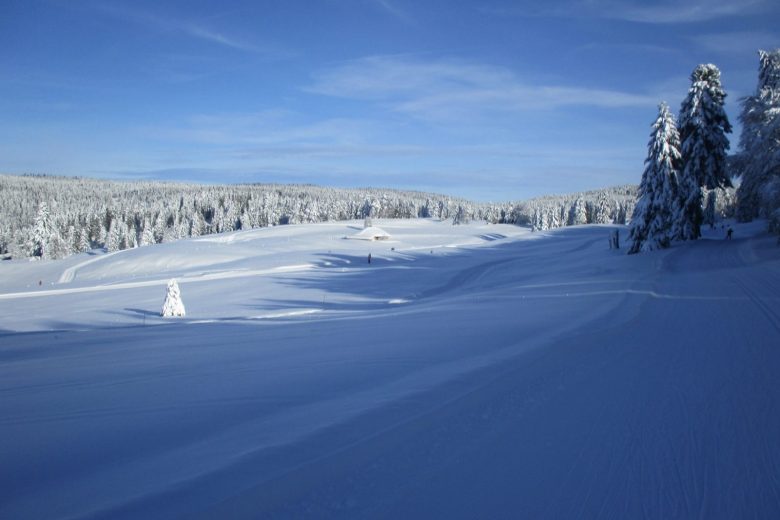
{"type": "Point", "coordinates": [703, 126]}
{"type": "Point", "coordinates": [651, 222]}
{"type": "Point", "coordinates": [759, 157]}
{"type": "Point", "coordinates": [147, 235]}
{"type": "Point", "coordinates": [602, 211]}
{"type": "Point", "coordinates": [113, 237]}
{"type": "Point", "coordinates": [84, 244]}
{"type": "Point", "coordinates": [71, 240]}
{"type": "Point", "coordinates": [578, 213]}
{"type": "Point", "coordinates": [42, 233]}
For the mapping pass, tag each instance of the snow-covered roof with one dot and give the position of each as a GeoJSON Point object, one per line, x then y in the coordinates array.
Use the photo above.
{"type": "Point", "coordinates": [371, 233]}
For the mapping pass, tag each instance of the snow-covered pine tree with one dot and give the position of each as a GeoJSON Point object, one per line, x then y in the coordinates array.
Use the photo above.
{"type": "Point", "coordinates": [5, 238]}
{"type": "Point", "coordinates": [196, 225]}
{"type": "Point", "coordinates": [769, 69]}
{"type": "Point", "coordinates": [158, 229]}
{"type": "Point", "coordinates": [459, 216]}
{"type": "Point", "coordinates": [173, 305]}
{"type": "Point", "coordinates": [561, 215]}
{"type": "Point", "coordinates": [84, 244]}
{"type": "Point", "coordinates": [42, 233]}
{"type": "Point", "coordinates": [703, 126]}
{"type": "Point", "coordinates": [71, 240]}
{"type": "Point", "coordinates": [602, 211]}
{"type": "Point", "coordinates": [147, 235]}
{"type": "Point", "coordinates": [759, 157]}
{"type": "Point", "coordinates": [132, 236]}
{"type": "Point", "coordinates": [113, 237]}
{"type": "Point", "coordinates": [578, 213]}
{"type": "Point", "coordinates": [651, 221]}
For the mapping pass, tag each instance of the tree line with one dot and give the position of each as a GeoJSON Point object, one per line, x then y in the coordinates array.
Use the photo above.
{"type": "Point", "coordinates": [51, 217]}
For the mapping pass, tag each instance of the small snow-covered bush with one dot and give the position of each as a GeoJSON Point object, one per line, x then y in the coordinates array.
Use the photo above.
{"type": "Point", "coordinates": [173, 305]}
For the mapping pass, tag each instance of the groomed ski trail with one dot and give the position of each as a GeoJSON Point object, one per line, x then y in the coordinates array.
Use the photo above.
{"type": "Point", "coordinates": [147, 283]}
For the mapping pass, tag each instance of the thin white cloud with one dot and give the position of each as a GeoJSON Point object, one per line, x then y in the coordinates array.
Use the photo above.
{"type": "Point", "coordinates": [281, 135]}
{"type": "Point", "coordinates": [392, 8]}
{"type": "Point", "coordinates": [447, 89]}
{"type": "Point", "coordinates": [189, 28]}
{"type": "Point", "coordinates": [741, 42]}
{"type": "Point", "coordinates": [220, 39]}
{"type": "Point", "coordinates": [634, 48]}
{"type": "Point", "coordinates": [680, 12]}
{"type": "Point", "coordinates": [656, 12]}
{"type": "Point", "coordinates": [271, 129]}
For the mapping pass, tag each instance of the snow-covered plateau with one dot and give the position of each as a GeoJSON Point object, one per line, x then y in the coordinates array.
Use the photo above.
{"type": "Point", "coordinates": [471, 371]}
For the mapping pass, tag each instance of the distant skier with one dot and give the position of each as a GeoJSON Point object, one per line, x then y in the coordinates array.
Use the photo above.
{"type": "Point", "coordinates": [369, 258]}
{"type": "Point", "coordinates": [729, 232]}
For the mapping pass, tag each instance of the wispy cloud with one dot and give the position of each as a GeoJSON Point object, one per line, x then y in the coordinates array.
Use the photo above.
{"type": "Point", "coordinates": [208, 35]}
{"type": "Point", "coordinates": [270, 128]}
{"type": "Point", "coordinates": [657, 12]}
{"type": "Point", "coordinates": [626, 48]}
{"type": "Point", "coordinates": [391, 7]}
{"type": "Point", "coordinates": [446, 89]}
{"type": "Point", "coordinates": [190, 28]}
{"type": "Point", "coordinates": [282, 135]}
{"type": "Point", "coordinates": [678, 12]}
{"type": "Point", "coordinates": [738, 42]}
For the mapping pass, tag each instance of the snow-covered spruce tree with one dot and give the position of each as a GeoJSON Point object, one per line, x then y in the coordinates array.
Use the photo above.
{"type": "Point", "coordinates": [113, 237]}
{"type": "Point", "coordinates": [602, 211]}
{"type": "Point", "coordinates": [42, 233]}
{"type": "Point", "coordinates": [196, 225]}
{"type": "Point", "coordinates": [173, 306]}
{"type": "Point", "coordinates": [460, 216]}
{"type": "Point", "coordinates": [651, 222]}
{"type": "Point", "coordinates": [577, 213]}
{"type": "Point", "coordinates": [703, 126]}
{"type": "Point", "coordinates": [84, 245]}
{"type": "Point", "coordinates": [5, 238]}
{"type": "Point", "coordinates": [147, 235]}
{"type": "Point", "coordinates": [759, 157]}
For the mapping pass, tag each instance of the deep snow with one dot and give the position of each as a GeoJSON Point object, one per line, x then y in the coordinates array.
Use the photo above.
{"type": "Point", "coordinates": [468, 371]}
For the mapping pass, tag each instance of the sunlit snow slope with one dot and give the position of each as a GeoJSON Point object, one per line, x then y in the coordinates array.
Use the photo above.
{"type": "Point", "coordinates": [468, 371]}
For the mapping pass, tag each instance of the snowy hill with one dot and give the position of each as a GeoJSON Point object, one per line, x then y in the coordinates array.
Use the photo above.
{"type": "Point", "coordinates": [468, 371]}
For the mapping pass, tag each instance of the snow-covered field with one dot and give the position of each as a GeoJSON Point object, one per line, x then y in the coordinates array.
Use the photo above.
{"type": "Point", "coordinates": [475, 371]}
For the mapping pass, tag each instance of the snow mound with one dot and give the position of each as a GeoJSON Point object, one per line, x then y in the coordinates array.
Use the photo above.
{"type": "Point", "coordinates": [371, 233]}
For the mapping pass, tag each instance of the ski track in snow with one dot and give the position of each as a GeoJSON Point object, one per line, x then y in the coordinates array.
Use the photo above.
{"type": "Point", "coordinates": [148, 283]}
{"type": "Point", "coordinates": [537, 379]}
{"type": "Point", "coordinates": [69, 274]}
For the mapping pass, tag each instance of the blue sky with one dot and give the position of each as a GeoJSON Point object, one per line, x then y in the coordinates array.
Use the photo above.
{"type": "Point", "coordinates": [491, 99]}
